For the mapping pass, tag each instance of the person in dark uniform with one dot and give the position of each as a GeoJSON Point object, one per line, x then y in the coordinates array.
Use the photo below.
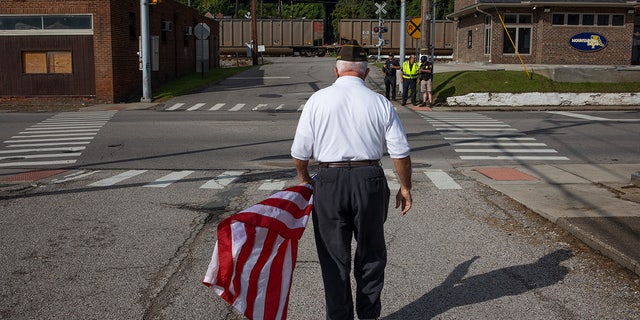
{"type": "Point", "coordinates": [351, 195]}
{"type": "Point", "coordinates": [426, 82]}
{"type": "Point", "coordinates": [389, 69]}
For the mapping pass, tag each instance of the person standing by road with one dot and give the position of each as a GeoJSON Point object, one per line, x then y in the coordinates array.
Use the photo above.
{"type": "Point", "coordinates": [426, 85]}
{"type": "Point", "coordinates": [390, 67]}
{"type": "Point", "coordinates": [345, 127]}
{"type": "Point", "coordinates": [409, 77]}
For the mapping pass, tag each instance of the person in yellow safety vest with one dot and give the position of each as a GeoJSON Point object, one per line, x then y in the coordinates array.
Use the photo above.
{"type": "Point", "coordinates": [410, 71]}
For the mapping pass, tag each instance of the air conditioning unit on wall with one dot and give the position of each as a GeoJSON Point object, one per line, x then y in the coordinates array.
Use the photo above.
{"type": "Point", "coordinates": [166, 26]}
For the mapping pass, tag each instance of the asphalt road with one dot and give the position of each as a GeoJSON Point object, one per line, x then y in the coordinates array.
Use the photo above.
{"type": "Point", "coordinates": [127, 231]}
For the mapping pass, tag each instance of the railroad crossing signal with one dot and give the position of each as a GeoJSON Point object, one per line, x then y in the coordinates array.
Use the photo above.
{"type": "Point", "coordinates": [413, 28]}
{"type": "Point", "coordinates": [380, 29]}
{"type": "Point", "coordinates": [381, 8]}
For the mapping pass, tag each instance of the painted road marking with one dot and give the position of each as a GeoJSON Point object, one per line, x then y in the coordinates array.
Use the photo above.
{"type": "Point", "coordinates": [217, 106]}
{"type": "Point", "coordinates": [259, 106]}
{"type": "Point", "coordinates": [169, 179]}
{"type": "Point", "coordinates": [196, 107]}
{"type": "Point", "coordinates": [117, 178]}
{"type": "Point", "coordinates": [222, 180]}
{"type": "Point", "coordinates": [272, 184]}
{"type": "Point", "coordinates": [442, 180]}
{"type": "Point", "coordinates": [237, 107]}
{"type": "Point", "coordinates": [175, 106]}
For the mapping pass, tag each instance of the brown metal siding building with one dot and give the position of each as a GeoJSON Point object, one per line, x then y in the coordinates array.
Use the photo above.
{"type": "Point", "coordinates": [548, 32]}
{"type": "Point", "coordinates": [89, 49]}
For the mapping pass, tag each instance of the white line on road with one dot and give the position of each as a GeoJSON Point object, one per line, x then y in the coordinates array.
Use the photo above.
{"type": "Point", "coordinates": [117, 178]}
{"type": "Point", "coordinates": [43, 140]}
{"type": "Point", "coordinates": [478, 129]}
{"type": "Point", "coordinates": [492, 139]}
{"type": "Point", "coordinates": [301, 107]}
{"type": "Point", "coordinates": [392, 179]}
{"type": "Point", "coordinates": [56, 135]}
{"type": "Point", "coordinates": [196, 107]}
{"type": "Point", "coordinates": [498, 150]}
{"type": "Point", "coordinates": [442, 180]}
{"type": "Point", "coordinates": [75, 176]}
{"type": "Point", "coordinates": [43, 150]}
{"type": "Point", "coordinates": [499, 144]}
{"type": "Point", "coordinates": [272, 185]}
{"type": "Point", "coordinates": [175, 106]}
{"type": "Point", "coordinates": [259, 106]}
{"type": "Point", "coordinates": [512, 158]}
{"type": "Point", "coordinates": [237, 107]}
{"type": "Point", "coordinates": [46, 144]}
{"type": "Point", "coordinates": [217, 106]}
{"type": "Point", "coordinates": [222, 180]}
{"type": "Point", "coordinates": [169, 179]}
{"type": "Point", "coordinates": [280, 107]}
{"type": "Point", "coordinates": [588, 117]}
{"type": "Point", "coordinates": [40, 130]}
{"type": "Point", "coordinates": [51, 155]}
{"type": "Point", "coordinates": [36, 163]}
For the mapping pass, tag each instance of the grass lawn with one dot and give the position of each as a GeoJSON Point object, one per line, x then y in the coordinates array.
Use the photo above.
{"type": "Point", "coordinates": [449, 84]}
{"type": "Point", "coordinates": [193, 82]}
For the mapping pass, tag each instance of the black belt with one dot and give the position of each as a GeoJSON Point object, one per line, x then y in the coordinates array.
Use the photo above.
{"type": "Point", "coordinates": [350, 164]}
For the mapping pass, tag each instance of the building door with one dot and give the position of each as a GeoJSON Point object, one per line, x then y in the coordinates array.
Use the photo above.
{"type": "Point", "coordinates": [635, 53]}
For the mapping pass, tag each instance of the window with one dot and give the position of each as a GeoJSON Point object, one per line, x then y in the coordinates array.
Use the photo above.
{"type": "Point", "coordinates": [39, 62]}
{"type": "Point", "coordinates": [617, 20]}
{"type": "Point", "coordinates": [573, 19]}
{"type": "Point", "coordinates": [587, 19]}
{"type": "Point", "coordinates": [519, 32]}
{"type": "Point", "coordinates": [603, 19]}
{"type": "Point", "coordinates": [487, 35]}
{"type": "Point", "coordinates": [469, 39]}
{"type": "Point", "coordinates": [46, 24]}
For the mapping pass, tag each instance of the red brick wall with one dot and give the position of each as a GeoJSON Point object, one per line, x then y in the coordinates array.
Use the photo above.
{"type": "Point", "coordinates": [117, 73]}
{"type": "Point", "coordinates": [549, 44]}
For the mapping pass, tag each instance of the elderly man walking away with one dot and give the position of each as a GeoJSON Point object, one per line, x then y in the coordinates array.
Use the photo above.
{"type": "Point", "coordinates": [345, 127]}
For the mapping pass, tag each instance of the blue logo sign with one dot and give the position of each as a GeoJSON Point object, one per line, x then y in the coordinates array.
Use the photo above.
{"type": "Point", "coordinates": [588, 42]}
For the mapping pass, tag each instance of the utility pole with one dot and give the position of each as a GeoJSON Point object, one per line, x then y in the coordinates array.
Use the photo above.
{"type": "Point", "coordinates": [403, 31]}
{"type": "Point", "coordinates": [254, 34]}
{"type": "Point", "coordinates": [145, 53]}
{"type": "Point", "coordinates": [425, 27]}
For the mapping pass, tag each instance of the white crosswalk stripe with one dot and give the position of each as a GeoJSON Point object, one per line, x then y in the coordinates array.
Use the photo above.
{"type": "Point", "coordinates": [169, 179]}
{"type": "Point", "coordinates": [55, 137]}
{"type": "Point", "coordinates": [477, 137]}
{"type": "Point", "coordinates": [149, 179]}
{"type": "Point", "coordinates": [223, 180]}
{"type": "Point", "coordinates": [204, 106]}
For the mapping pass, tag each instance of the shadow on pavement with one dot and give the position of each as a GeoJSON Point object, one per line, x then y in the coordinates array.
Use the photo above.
{"type": "Point", "coordinates": [458, 291]}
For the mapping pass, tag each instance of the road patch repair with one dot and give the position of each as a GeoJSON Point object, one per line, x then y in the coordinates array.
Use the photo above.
{"type": "Point", "coordinates": [594, 202]}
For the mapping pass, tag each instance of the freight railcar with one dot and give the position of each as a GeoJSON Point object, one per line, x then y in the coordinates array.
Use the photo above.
{"type": "Point", "coordinates": [363, 31]}
{"type": "Point", "coordinates": [278, 36]}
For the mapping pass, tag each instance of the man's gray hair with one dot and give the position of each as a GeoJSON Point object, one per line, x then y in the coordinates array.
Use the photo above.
{"type": "Point", "coordinates": [352, 66]}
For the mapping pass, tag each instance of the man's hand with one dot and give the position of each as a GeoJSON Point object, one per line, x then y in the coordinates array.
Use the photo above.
{"type": "Point", "coordinates": [403, 200]}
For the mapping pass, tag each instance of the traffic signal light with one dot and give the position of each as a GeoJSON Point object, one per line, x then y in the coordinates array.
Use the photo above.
{"type": "Point", "coordinates": [155, 1]}
{"type": "Point", "coordinates": [380, 29]}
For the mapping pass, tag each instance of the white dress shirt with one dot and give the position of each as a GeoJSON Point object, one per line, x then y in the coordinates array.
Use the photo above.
{"type": "Point", "coordinates": [348, 121]}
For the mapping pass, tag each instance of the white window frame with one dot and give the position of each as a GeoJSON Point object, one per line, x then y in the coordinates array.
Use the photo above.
{"type": "Point", "coordinates": [47, 32]}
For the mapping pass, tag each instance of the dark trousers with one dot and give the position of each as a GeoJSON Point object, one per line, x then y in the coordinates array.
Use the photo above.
{"type": "Point", "coordinates": [409, 84]}
{"type": "Point", "coordinates": [390, 83]}
{"type": "Point", "coordinates": [347, 203]}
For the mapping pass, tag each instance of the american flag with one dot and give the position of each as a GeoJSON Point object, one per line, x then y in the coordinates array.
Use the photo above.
{"type": "Point", "coordinates": [253, 260]}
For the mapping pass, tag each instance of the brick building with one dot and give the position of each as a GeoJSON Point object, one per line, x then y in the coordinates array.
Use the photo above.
{"type": "Point", "coordinates": [548, 32]}
{"type": "Point", "coordinates": [88, 49]}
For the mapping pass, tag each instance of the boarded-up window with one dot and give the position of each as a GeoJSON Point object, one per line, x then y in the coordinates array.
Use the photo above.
{"type": "Point", "coordinates": [34, 62]}
{"type": "Point", "coordinates": [47, 62]}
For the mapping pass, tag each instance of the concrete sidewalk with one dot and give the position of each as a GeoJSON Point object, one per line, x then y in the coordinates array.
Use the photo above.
{"type": "Point", "coordinates": [598, 204]}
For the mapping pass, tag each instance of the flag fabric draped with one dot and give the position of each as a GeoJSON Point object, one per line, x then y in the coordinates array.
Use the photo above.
{"type": "Point", "coordinates": [253, 259]}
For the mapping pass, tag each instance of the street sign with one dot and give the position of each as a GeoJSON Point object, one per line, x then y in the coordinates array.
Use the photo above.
{"type": "Point", "coordinates": [381, 8]}
{"type": "Point", "coordinates": [202, 31]}
{"type": "Point", "coordinates": [413, 28]}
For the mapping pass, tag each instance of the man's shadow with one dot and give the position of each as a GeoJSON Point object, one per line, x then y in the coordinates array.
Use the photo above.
{"type": "Point", "coordinates": [457, 290]}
